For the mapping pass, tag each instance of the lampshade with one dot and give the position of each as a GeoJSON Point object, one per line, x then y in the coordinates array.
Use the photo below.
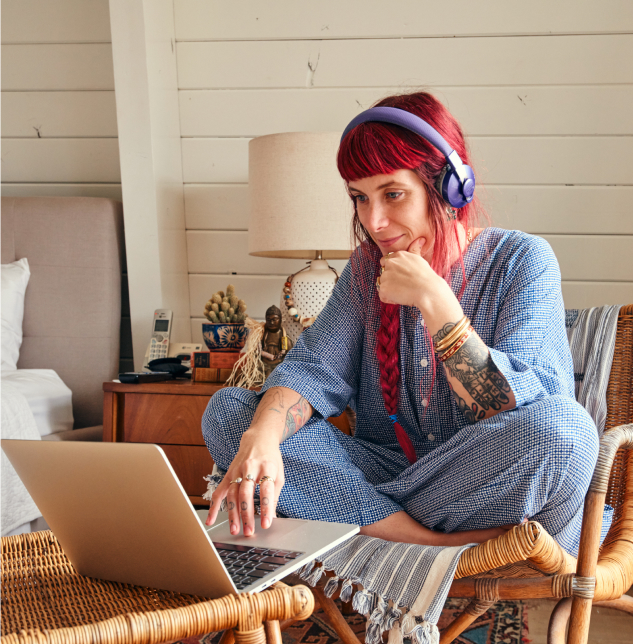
{"type": "Point", "coordinates": [299, 204]}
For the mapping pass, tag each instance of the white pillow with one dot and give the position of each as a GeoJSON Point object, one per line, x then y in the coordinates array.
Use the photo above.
{"type": "Point", "coordinates": [15, 277]}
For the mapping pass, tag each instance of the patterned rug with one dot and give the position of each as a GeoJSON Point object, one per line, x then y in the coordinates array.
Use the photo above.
{"type": "Point", "coordinates": [504, 623]}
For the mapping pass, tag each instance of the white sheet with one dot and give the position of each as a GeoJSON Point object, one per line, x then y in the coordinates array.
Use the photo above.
{"type": "Point", "coordinates": [17, 422]}
{"type": "Point", "coordinates": [47, 396]}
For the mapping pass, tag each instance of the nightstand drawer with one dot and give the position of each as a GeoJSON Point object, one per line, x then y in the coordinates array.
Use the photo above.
{"type": "Point", "coordinates": [191, 464]}
{"type": "Point", "coordinates": [163, 418]}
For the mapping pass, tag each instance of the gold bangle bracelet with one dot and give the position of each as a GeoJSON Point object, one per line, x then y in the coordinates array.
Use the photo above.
{"type": "Point", "coordinates": [452, 335]}
{"type": "Point", "coordinates": [457, 346]}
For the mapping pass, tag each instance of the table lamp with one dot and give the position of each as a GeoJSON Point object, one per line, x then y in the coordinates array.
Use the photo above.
{"type": "Point", "coordinates": [299, 209]}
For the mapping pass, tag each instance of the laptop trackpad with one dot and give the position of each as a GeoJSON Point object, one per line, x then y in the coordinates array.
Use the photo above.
{"type": "Point", "coordinates": [282, 534]}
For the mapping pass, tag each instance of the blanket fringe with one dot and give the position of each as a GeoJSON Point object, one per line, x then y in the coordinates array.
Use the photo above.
{"type": "Point", "coordinates": [419, 630]}
{"type": "Point", "coordinates": [304, 573]}
{"type": "Point", "coordinates": [331, 586]}
{"type": "Point", "coordinates": [395, 635]}
{"type": "Point", "coordinates": [346, 590]}
{"type": "Point", "coordinates": [313, 578]}
{"type": "Point", "coordinates": [363, 602]}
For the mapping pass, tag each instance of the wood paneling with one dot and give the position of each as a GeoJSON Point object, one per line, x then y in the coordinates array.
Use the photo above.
{"type": "Point", "coordinates": [414, 62]}
{"type": "Point", "coordinates": [191, 464]}
{"type": "Point", "coordinates": [107, 190]}
{"type": "Point", "coordinates": [217, 207]}
{"type": "Point", "coordinates": [227, 252]}
{"type": "Point", "coordinates": [58, 114]}
{"type": "Point", "coordinates": [501, 160]}
{"type": "Point", "coordinates": [580, 295]}
{"type": "Point", "coordinates": [60, 160]}
{"type": "Point", "coordinates": [57, 67]}
{"type": "Point", "coordinates": [594, 257]}
{"type": "Point", "coordinates": [482, 111]}
{"type": "Point", "coordinates": [600, 210]}
{"type": "Point", "coordinates": [215, 160]}
{"type": "Point", "coordinates": [55, 21]}
{"type": "Point", "coordinates": [164, 418]}
{"type": "Point", "coordinates": [249, 19]}
{"type": "Point", "coordinates": [536, 209]}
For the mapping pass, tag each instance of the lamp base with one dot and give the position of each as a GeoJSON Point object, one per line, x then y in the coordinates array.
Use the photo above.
{"type": "Point", "coordinates": [311, 289]}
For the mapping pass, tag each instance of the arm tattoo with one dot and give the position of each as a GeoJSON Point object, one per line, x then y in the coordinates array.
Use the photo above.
{"type": "Point", "coordinates": [473, 413]}
{"type": "Point", "coordinates": [296, 418]}
{"type": "Point", "coordinates": [274, 403]}
{"type": "Point", "coordinates": [474, 368]}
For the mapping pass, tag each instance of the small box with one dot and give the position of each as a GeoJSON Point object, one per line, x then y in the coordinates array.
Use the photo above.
{"type": "Point", "coordinates": [213, 366]}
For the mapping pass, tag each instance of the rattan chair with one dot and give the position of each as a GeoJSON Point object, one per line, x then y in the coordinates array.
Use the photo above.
{"type": "Point", "coordinates": [526, 562]}
{"type": "Point", "coordinates": [44, 601]}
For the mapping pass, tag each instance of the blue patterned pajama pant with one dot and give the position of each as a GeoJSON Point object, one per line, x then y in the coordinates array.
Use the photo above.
{"type": "Point", "coordinates": [535, 461]}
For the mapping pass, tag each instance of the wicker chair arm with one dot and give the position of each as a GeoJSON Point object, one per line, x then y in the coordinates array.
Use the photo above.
{"type": "Point", "coordinates": [528, 541]}
{"type": "Point", "coordinates": [612, 440]}
{"type": "Point", "coordinates": [613, 566]}
{"type": "Point", "coordinates": [246, 612]}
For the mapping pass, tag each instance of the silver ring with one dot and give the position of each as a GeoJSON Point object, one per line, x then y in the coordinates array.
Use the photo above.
{"type": "Point", "coordinates": [238, 481]}
{"type": "Point", "coordinates": [250, 477]}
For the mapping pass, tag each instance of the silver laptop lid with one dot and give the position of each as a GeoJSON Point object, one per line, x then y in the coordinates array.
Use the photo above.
{"type": "Point", "coordinates": [120, 513]}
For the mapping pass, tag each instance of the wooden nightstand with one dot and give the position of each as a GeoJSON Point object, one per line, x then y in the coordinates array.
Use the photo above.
{"type": "Point", "coordinates": [168, 414]}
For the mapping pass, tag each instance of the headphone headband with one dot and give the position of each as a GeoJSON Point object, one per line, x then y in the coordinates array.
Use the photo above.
{"type": "Point", "coordinates": [456, 181]}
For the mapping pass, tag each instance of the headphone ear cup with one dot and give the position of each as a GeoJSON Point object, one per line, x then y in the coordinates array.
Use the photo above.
{"type": "Point", "coordinates": [451, 188]}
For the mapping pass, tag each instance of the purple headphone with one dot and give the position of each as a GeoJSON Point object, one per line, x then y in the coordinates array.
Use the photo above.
{"type": "Point", "coordinates": [456, 182]}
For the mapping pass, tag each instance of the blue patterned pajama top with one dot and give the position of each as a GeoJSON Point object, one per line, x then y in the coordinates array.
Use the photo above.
{"type": "Point", "coordinates": [535, 461]}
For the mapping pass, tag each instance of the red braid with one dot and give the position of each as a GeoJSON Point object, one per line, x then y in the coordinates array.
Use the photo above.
{"type": "Point", "coordinates": [388, 353]}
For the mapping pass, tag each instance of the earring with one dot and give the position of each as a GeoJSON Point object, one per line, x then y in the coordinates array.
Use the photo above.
{"type": "Point", "coordinates": [451, 213]}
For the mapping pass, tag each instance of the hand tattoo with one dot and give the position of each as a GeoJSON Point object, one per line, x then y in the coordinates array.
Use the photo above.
{"type": "Point", "coordinates": [244, 505]}
{"type": "Point", "coordinates": [265, 501]}
{"type": "Point", "coordinates": [474, 368]}
{"type": "Point", "coordinates": [296, 417]}
{"type": "Point", "coordinates": [231, 505]}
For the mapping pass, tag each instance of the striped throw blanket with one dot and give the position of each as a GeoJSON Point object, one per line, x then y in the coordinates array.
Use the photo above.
{"type": "Point", "coordinates": [404, 586]}
{"type": "Point", "coordinates": [591, 334]}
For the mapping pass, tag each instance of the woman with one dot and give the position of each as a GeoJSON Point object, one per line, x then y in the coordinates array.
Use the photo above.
{"type": "Point", "coordinates": [449, 342]}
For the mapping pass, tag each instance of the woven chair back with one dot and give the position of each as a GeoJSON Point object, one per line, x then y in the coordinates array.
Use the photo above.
{"type": "Point", "coordinates": [620, 411]}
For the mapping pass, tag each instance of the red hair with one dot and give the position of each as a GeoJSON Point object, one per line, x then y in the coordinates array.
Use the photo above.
{"type": "Point", "coordinates": [382, 148]}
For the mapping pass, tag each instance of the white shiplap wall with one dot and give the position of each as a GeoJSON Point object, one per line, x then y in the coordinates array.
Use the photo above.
{"type": "Point", "coordinates": [543, 89]}
{"type": "Point", "coordinates": [59, 130]}
{"type": "Point", "coordinates": [59, 126]}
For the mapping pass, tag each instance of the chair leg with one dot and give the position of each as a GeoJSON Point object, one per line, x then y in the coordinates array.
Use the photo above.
{"type": "Point", "coordinates": [476, 608]}
{"type": "Point", "coordinates": [273, 632]}
{"type": "Point", "coordinates": [228, 637]}
{"type": "Point", "coordinates": [337, 621]}
{"type": "Point", "coordinates": [486, 595]}
{"type": "Point", "coordinates": [557, 628]}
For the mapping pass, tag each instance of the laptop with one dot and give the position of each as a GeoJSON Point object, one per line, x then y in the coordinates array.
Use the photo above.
{"type": "Point", "coordinates": [121, 514]}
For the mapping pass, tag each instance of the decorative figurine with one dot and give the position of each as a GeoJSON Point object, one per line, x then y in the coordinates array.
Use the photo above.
{"type": "Point", "coordinates": [275, 343]}
{"type": "Point", "coordinates": [266, 346]}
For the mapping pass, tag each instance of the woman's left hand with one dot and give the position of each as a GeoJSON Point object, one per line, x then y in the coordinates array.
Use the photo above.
{"type": "Point", "coordinates": [407, 276]}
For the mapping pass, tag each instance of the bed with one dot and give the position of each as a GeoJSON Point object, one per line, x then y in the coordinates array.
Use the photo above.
{"type": "Point", "coordinates": [62, 260]}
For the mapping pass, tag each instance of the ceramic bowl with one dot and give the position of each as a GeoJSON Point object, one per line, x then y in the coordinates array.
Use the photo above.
{"type": "Point", "coordinates": [224, 337]}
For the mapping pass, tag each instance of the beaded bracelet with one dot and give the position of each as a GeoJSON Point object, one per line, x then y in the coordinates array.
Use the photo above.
{"type": "Point", "coordinates": [457, 346]}
{"type": "Point", "coordinates": [446, 342]}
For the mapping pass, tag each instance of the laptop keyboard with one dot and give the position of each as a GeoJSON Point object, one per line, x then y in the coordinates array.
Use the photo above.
{"type": "Point", "coordinates": [247, 565]}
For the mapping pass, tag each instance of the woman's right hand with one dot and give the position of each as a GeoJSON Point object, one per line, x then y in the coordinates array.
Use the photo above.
{"type": "Point", "coordinates": [259, 456]}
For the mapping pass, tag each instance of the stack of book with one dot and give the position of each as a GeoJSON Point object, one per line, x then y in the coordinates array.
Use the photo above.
{"type": "Point", "coordinates": [213, 366]}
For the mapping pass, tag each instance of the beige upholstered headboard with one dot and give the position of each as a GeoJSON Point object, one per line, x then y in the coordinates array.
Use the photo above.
{"type": "Point", "coordinates": [72, 310]}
